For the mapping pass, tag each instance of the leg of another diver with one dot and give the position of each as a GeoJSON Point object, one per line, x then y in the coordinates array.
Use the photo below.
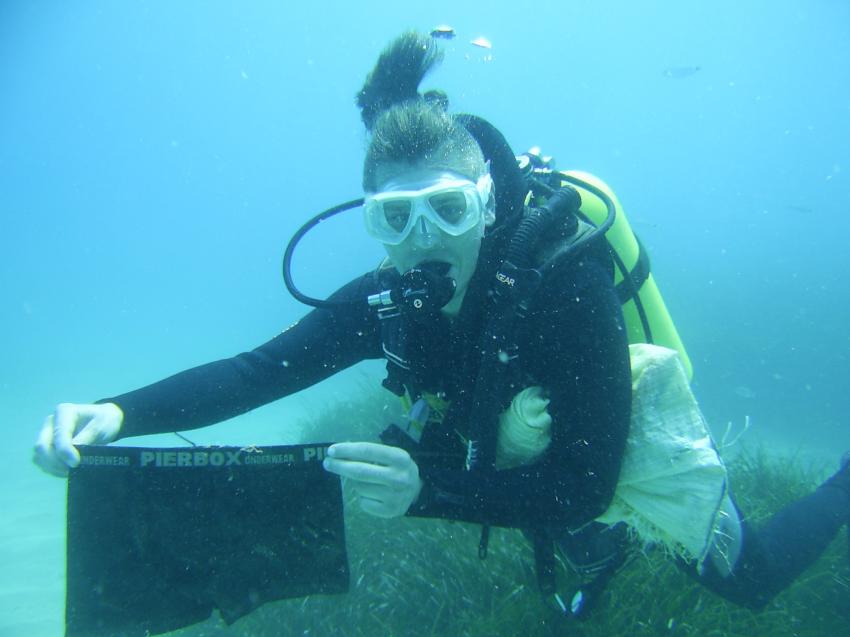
{"type": "Point", "coordinates": [750, 566]}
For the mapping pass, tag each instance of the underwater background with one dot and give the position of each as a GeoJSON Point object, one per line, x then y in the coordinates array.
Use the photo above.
{"type": "Point", "coordinates": [155, 158]}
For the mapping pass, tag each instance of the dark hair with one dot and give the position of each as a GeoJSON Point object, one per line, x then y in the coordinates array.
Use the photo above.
{"type": "Point", "coordinates": [407, 128]}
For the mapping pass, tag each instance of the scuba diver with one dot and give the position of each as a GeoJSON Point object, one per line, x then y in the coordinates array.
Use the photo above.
{"type": "Point", "coordinates": [505, 336]}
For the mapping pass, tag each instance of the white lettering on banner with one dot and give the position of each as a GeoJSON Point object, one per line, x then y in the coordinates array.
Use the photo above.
{"type": "Point", "coordinates": [275, 458]}
{"type": "Point", "coordinates": [190, 458]}
{"type": "Point", "coordinates": [108, 461]}
{"type": "Point", "coordinates": [224, 458]}
{"type": "Point", "coordinates": [314, 453]}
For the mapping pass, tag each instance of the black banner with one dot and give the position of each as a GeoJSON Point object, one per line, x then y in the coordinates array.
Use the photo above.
{"type": "Point", "coordinates": [158, 538]}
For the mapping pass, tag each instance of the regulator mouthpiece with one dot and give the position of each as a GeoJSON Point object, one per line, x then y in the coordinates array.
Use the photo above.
{"type": "Point", "coordinates": [422, 290]}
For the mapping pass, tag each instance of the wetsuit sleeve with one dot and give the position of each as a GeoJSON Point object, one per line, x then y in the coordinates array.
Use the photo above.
{"type": "Point", "coordinates": [319, 345]}
{"type": "Point", "coordinates": [575, 347]}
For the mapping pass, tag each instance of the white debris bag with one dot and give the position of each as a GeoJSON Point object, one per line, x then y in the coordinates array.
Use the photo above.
{"type": "Point", "coordinates": [672, 480]}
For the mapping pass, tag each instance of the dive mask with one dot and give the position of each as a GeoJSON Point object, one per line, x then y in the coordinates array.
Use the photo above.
{"type": "Point", "coordinates": [455, 206]}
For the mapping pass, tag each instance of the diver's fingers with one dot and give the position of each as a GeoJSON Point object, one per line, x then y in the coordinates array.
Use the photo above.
{"type": "Point", "coordinates": [102, 423]}
{"type": "Point", "coordinates": [43, 453]}
{"type": "Point", "coordinates": [359, 471]}
{"type": "Point", "coordinates": [370, 452]}
{"type": "Point", "coordinates": [378, 500]}
{"type": "Point", "coordinates": [370, 490]}
{"type": "Point", "coordinates": [88, 435]}
{"type": "Point", "coordinates": [67, 419]}
{"type": "Point", "coordinates": [377, 508]}
{"type": "Point", "coordinates": [385, 500]}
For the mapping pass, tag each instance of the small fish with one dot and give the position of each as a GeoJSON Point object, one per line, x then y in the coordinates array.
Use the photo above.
{"type": "Point", "coordinates": [680, 72]}
{"type": "Point", "coordinates": [443, 31]}
{"type": "Point", "coordinates": [805, 210]}
{"type": "Point", "coordinates": [482, 42]}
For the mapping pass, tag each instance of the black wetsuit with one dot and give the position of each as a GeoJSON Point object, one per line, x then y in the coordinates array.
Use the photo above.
{"type": "Point", "coordinates": [573, 344]}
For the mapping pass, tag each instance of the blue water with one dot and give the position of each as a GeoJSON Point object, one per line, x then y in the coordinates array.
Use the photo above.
{"type": "Point", "coordinates": [155, 157]}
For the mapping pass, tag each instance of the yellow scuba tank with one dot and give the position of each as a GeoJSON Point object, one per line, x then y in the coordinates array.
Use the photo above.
{"type": "Point", "coordinates": [646, 315]}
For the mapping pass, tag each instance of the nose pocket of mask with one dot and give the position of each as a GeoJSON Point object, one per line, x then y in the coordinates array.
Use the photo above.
{"type": "Point", "coordinates": [425, 233]}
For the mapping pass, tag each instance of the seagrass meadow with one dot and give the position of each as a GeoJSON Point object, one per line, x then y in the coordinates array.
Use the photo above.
{"type": "Point", "coordinates": [419, 577]}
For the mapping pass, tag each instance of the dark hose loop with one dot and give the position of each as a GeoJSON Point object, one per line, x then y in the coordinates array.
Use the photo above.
{"type": "Point", "coordinates": [563, 202]}
{"type": "Point", "coordinates": [290, 248]}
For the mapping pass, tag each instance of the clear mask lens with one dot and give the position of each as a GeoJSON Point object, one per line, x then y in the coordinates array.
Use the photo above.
{"type": "Point", "coordinates": [453, 206]}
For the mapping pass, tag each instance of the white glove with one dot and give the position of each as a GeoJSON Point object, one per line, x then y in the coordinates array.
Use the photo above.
{"type": "Point", "coordinates": [525, 429]}
{"type": "Point", "coordinates": [73, 425]}
{"type": "Point", "coordinates": [386, 479]}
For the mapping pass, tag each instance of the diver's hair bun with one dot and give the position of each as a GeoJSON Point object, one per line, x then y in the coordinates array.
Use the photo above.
{"type": "Point", "coordinates": [437, 98]}
{"type": "Point", "coordinates": [397, 74]}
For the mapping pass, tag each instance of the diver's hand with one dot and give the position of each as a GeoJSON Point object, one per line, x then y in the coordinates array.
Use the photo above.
{"type": "Point", "coordinates": [385, 478]}
{"type": "Point", "coordinates": [71, 425]}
